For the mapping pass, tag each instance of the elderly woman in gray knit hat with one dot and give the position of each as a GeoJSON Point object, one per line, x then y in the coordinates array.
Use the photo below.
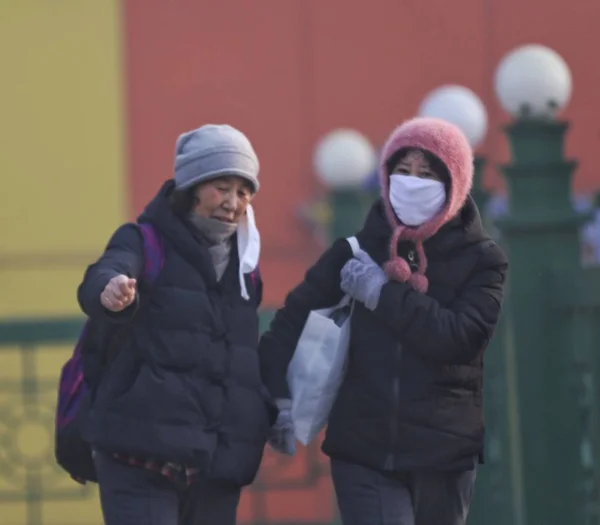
{"type": "Point", "coordinates": [179, 416]}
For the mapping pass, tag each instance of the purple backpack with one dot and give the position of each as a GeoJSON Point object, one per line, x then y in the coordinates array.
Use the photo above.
{"type": "Point", "coordinates": [73, 453]}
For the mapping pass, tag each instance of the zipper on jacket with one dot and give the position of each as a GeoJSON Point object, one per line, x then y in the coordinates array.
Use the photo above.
{"type": "Point", "coordinates": [412, 260]}
{"type": "Point", "coordinates": [389, 461]}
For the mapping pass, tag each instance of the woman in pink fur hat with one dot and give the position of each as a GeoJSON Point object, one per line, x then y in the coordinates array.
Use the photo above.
{"type": "Point", "coordinates": [405, 434]}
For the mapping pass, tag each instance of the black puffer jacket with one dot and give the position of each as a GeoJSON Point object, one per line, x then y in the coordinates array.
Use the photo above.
{"type": "Point", "coordinates": [185, 386]}
{"type": "Point", "coordinates": [412, 396]}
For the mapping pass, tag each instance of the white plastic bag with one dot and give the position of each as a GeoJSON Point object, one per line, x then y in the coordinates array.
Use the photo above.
{"type": "Point", "coordinates": [317, 368]}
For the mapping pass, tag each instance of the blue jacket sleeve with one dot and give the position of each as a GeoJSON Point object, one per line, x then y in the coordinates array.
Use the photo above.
{"type": "Point", "coordinates": [124, 255]}
{"type": "Point", "coordinates": [452, 334]}
{"type": "Point", "coordinates": [319, 289]}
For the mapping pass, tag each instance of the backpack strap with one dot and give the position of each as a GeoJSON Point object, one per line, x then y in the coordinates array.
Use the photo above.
{"type": "Point", "coordinates": [154, 254]}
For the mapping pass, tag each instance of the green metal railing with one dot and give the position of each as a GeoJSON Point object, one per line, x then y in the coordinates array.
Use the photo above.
{"type": "Point", "coordinates": [493, 500]}
{"type": "Point", "coordinates": [577, 305]}
{"type": "Point", "coordinates": [27, 468]}
{"type": "Point", "coordinates": [31, 354]}
{"type": "Point", "coordinates": [500, 496]}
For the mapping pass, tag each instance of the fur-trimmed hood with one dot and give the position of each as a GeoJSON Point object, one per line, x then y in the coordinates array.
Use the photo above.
{"type": "Point", "coordinates": [447, 143]}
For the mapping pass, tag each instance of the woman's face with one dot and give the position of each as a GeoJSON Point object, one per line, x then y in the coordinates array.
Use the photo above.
{"type": "Point", "coordinates": [414, 163]}
{"type": "Point", "coordinates": [224, 199]}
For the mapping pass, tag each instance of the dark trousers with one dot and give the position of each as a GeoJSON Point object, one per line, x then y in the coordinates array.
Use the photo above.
{"type": "Point", "coordinates": [136, 496]}
{"type": "Point", "coordinates": [370, 497]}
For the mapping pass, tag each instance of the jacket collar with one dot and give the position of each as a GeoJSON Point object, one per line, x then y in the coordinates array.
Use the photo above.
{"type": "Point", "coordinates": [181, 235]}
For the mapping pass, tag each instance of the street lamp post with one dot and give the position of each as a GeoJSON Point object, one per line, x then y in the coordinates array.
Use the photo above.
{"type": "Point", "coordinates": [492, 502]}
{"type": "Point", "coordinates": [541, 234]}
{"type": "Point", "coordinates": [343, 159]}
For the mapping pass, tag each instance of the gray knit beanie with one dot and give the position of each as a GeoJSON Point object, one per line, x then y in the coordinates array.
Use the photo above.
{"type": "Point", "coordinates": [213, 151]}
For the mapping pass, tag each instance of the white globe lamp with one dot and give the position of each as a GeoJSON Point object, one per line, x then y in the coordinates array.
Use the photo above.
{"type": "Point", "coordinates": [343, 159]}
{"type": "Point", "coordinates": [460, 106]}
{"type": "Point", "coordinates": [533, 81]}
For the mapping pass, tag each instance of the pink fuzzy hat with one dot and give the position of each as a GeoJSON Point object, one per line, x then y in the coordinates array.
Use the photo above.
{"type": "Point", "coordinates": [447, 143]}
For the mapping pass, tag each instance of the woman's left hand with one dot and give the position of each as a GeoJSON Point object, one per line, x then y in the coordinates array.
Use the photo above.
{"type": "Point", "coordinates": [282, 437]}
{"type": "Point", "coordinates": [362, 279]}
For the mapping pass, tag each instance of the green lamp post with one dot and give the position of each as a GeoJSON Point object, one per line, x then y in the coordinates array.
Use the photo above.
{"type": "Point", "coordinates": [343, 160]}
{"type": "Point", "coordinates": [492, 503]}
{"type": "Point", "coordinates": [541, 234]}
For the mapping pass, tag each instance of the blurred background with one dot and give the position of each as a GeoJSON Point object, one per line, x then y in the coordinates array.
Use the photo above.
{"type": "Point", "coordinates": [93, 94]}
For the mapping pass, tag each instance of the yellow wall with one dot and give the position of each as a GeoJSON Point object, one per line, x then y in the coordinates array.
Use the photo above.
{"type": "Point", "coordinates": [61, 147]}
{"type": "Point", "coordinates": [62, 194]}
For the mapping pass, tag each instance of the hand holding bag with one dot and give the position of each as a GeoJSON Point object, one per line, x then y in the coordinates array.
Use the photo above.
{"type": "Point", "coordinates": [316, 370]}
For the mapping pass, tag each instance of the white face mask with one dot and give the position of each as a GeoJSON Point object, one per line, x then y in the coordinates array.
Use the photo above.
{"type": "Point", "coordinates": [415, 200]}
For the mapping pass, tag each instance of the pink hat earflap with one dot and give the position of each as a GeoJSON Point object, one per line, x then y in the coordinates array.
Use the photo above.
{"type": "Point", "coordinates": [397, 268]}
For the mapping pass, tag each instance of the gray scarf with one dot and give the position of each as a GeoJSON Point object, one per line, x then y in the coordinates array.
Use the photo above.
{"type": "Point", "coordinates": [218, 235]}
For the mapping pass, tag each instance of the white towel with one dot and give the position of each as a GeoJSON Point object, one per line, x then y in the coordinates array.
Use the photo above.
{"type": "Point", "coordinates": [248, 243]}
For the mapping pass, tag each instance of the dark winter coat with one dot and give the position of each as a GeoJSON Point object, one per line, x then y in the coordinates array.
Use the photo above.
{"type": "Point", "coordinates": [412, 395]}
{"type": "Point", "coordinates": [184, 385]}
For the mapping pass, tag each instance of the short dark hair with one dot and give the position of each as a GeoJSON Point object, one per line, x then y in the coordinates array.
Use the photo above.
{"type": "Point", "coordinates": [182, 202]}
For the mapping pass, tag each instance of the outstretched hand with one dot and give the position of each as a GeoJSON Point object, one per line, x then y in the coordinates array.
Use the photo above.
{"type": "Point", "coordinates": [119, 293]}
